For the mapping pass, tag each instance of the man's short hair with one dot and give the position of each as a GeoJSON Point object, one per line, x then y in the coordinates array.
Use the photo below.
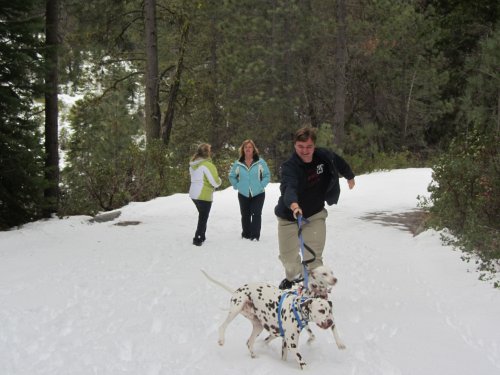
{"type": "Point", "coordinates": [305, 133]}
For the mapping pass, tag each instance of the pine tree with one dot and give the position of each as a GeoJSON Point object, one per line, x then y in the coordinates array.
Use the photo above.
{"type": "Point", "coordinates": [21, 155]}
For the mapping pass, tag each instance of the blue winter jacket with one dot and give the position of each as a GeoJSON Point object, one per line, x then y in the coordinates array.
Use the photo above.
{"type": "Point", "coordinates": [249, 181]}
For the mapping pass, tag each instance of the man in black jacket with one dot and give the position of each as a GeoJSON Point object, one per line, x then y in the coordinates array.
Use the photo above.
{"type": "Point", "coordinates": [309, 178]}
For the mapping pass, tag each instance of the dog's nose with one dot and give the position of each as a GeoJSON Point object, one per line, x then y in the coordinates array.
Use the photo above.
{"type": "Point", "coordinates": [334, 280]}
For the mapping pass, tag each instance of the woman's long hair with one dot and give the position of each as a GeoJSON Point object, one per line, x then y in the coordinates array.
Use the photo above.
{"type": "Point", "coordinates": [202, 152]}
{"type": "Point", "coordinates": [242, 150]}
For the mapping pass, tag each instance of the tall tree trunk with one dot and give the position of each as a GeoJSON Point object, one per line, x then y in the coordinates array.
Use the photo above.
{"type": "Point", "coordinates": [174, 88]}
{"type": "Point", "coordinates": [407, 108]}
{"type": "Point", "coordinates": [152, 76]}
{"type": "Point", "coordinates": [309, 89]}
{"type": "Point", "coordinates": [340, 79]}
{"type": "Point", "coordinates": [216, 139]}
{"type": "Point", "coordinates": [51, 193]}
{"type": "Point", "coordinates": [498, 113]}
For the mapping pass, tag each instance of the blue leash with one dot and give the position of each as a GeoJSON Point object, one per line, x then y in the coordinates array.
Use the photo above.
{"type": "Point", "coordinates": [301, 239]}
{"type": "Point", "coordinates": [302, 246]}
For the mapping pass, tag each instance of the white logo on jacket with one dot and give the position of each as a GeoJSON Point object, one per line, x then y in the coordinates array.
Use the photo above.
{"type": "Point", "coordinates": [320, 168]}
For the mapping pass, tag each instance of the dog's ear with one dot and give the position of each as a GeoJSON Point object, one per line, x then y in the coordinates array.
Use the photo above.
{"type": "Point", "coordinates": [306, 303]}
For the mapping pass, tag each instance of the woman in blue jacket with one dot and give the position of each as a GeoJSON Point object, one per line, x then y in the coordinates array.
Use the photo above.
{"type": "Point", "coordinates": [250, 175]}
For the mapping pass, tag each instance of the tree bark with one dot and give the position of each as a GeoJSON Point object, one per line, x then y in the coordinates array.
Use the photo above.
{"type": "Point", "coordinates": [174, 89]}
{"type": "Point", "coordinates": [217, 138]}
{"type": "Point", "coordinates": [340, 78]}
{"type": "Point", "coordinates": [51, 193]}
{"type": "Point", "coordinates": [152, 77]}
{"type": "Point", "coordinates": [407, 109]}
{"type": "Point", "coordinates": [498, 113]}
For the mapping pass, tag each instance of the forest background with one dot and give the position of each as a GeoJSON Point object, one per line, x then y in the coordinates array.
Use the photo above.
{"type": "Point", "coordinates": [388, 83]}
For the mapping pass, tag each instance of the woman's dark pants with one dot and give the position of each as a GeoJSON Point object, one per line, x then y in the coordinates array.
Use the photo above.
{"type": "Point", "coordinates": [203, 208]}
{"type": "Point", "coordinates": [251, 215]}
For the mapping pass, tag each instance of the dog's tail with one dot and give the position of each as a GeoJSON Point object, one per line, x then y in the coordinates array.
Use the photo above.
{"type": "Point", "coordinates": [217, 282]}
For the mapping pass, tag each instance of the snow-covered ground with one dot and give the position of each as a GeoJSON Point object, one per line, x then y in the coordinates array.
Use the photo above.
{"type": "Point", "coordinates": [99, 298]}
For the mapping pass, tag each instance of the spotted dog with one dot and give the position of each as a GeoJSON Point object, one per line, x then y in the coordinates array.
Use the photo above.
{"type": "Point", "coordinates": [280, 313]}
{"type": "Point", "coordinates": [320, 283]}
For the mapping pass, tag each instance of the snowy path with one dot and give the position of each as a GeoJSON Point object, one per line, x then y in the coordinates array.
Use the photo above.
{"type": "Point", "coordinates": [80, 298]}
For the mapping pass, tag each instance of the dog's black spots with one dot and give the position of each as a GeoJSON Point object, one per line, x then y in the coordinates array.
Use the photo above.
{"type": "Point", "coordinates": [292, 345]}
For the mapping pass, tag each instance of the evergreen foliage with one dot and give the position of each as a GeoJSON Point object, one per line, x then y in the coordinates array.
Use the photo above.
{"type": "Point", "coordinates": [466, 196]}
{"type": "Point", "coordinates": [108, 164]}
{"type": "Point", "coordinates": [21, 155]}
{"type": "Point", "coordinates": [397, 76]}
{"type": "Point", "coordinates": [461, 24]}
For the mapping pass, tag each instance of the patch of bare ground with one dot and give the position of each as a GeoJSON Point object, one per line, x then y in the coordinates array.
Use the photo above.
{"type": "Point", "coordinates": [127, 223]}
{"type": "Point", "coordinates": [411, 221]}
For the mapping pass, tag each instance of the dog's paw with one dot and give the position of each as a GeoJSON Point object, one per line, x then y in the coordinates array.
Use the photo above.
{"type": "Point", "coordinates": [284, 355]}
{"type": "Point", "coordinates": [303, 365]}
{"type": "Point", "coordinates": [341, 345]}
{"type": "Point", "coordinates": [220, 342]}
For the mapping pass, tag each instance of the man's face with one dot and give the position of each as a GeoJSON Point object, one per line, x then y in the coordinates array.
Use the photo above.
{"type": "Point", "coordinates": [305, 150]}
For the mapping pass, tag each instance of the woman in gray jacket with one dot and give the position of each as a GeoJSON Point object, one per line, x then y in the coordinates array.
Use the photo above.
{"type": "Point", "coordinates": [250, 175]}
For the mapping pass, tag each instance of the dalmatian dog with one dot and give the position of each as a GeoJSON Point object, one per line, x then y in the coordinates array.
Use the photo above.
{"type": "Point", "coordinates": [281, 313]}
{"type": "Point", "coordinates": [320, 283]}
